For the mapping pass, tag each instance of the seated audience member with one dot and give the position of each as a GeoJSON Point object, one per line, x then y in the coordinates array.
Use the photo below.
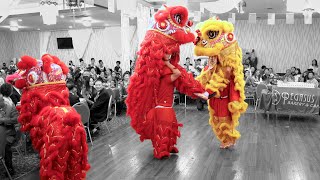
{"type": "Point", "coordinates": [293, 71]}
{"type": "Point", "coordinates": [249, 81]}
{"type": "Point", "coordinates": [99, 109]}
{"type": "Point", "coordinates": [93, 73]}
{"type": "Point", "coordinates": [257, 76]}
{"type": "Point", "coordinates": [312, 79]}
{"type": "Point", "coordinates": [69, 78]}
{"type": "Point", "coordinates": [303, 77]}
{"type": "Point", "coordinates": [114, 76]}
{"type": "Point", "coordinates": [297, 75]}
{"type": "Point", "coordinates": [108, 72]}
{"type": "Point", "coordinates": [8, 121]}
{"type": "Point", "coordinates": [265, 79]}
{"type": "Point", "coordinates": [87, 72]}
{"type": "Point", "coordinates": [88, 91]}
{"type": "Point", "coordinates": [113, 84]}
{"type": "Point", "coordinates": [126, 78]}
{"type": "Point", "coordinates": [252, 71]}
{"type": "Point", "coordinates": [4, 67]}
{"type": "Point", "coordinates": [12, 68]}
{"type": "Point", "coordinates": [246, 67]}
{"type": "Point", "coordinates": [288, 76]}
{"type": "Point", "coordinates": [263, 67]}
{"type": "Point", "coordinates": [103, 76]}
{"type": "Point", "coordinates": [73, 97]}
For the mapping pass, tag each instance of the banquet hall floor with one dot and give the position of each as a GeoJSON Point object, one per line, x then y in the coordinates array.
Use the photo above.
{"type": "Point", "coordinates": [271, 147]}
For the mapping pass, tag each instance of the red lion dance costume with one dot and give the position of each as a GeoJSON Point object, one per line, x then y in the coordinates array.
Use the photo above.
{"type": "Point", "coordinates": [150, 91]}
{"type": "Point", "coordinates": [223, 77]}
{"type": "Point", "coordinates": [55, 127]}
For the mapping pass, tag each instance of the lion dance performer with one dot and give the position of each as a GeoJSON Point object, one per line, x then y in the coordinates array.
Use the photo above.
{"type": "Point", "coordinates": [222, 77]}
{"type": "Point", "coordinates": [157, 73]}
{"type": "Point", "coordinates": [55, 128]}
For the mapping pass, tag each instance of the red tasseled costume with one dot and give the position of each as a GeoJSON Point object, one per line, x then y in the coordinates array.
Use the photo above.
{"type": "Point", "coordinates": [144, 85]}
{"type": "Point", "coordinates": [55, 128]}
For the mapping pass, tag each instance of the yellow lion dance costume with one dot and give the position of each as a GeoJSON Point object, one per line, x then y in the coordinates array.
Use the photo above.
{"type": "Point", "coordinates": [223, 77]}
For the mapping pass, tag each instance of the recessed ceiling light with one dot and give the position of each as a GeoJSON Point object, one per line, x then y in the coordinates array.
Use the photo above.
{"type": "Point", "coordinates": [38, 29]}
{"type": "Point", "coordinates": [61, 16]}
{"type": "Point", "coordinates": [70, 27]}
{"type": "Point", "coordinates": [14, 28]}
{"type": "Point", "coordinates": [86, 22]}
{"type": "Point", "coordinates": [19, 20]}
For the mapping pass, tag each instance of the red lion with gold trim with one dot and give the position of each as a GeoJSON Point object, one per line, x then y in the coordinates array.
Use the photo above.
{"type": "Point", "coordinates": [55, 128]}
{"type": "Point", "coordinates": [157, 73]}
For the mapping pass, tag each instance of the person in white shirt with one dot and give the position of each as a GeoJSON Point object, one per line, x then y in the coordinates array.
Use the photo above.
{"type": "Point", "coordinates": [314, 66]}
{"type": "Point", "coordinates": [297, 75]}
{"type": "Point", "coordinates": [312, 80]}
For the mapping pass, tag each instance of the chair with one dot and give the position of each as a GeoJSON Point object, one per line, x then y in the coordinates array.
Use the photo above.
{"type": "Point", "coordinates": [84, 112]}
{"type": "Point", "coordinates": [109, 112]}
{"type": "Point", "coordinates": [250, 95]}
{"type": "Point", "coordinates": [19, 143]}
{"type": "Point", "coordinates": [114, 100]}
{"type": "Point", "coordinates": [4, 164]}
{"type": "Point", "coordinates": [176, 95]}
{"type": "Point", "coordinates": [260, 87]}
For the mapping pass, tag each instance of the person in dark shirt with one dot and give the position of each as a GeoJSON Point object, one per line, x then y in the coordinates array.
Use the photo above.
{"type": "Point", "coordinates": [100, 68]}
{"type": "Point", "coordinates": [99, 109]}
{"type": "Point", "coordinates": [118, 70]}
{"type": "Point", "coordinates": [73, 98]}
{"type": "Point", "coordinates": [4, 67]}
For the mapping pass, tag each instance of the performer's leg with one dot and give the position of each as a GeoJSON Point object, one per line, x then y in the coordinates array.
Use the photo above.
{"type": "Point", "coordinates": [165, 133]}
{"type": "Point", "coordinates": [173, 136]}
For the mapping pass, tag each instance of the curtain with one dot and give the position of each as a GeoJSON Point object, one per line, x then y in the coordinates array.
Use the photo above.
{"type": "Point", "coordinates": [125, 42]}
{"type": "Point", "coordinates": [80, 40]}
{"type": "Point", "coordinates": [143, 17]}
{"type": "Point", "coordinates": [44, 42]}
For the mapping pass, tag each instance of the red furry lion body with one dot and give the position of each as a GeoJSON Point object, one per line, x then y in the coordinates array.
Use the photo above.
{"type": "Point", "coordinates": [55, 128]}
{"type": "Point", "coordinates": [150, 70]}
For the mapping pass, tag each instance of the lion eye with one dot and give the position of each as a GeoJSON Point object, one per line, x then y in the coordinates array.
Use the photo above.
{"type": "Point", "coordinates": [212, 34]}
{"type": "Point", "coordinates": [177, 18]}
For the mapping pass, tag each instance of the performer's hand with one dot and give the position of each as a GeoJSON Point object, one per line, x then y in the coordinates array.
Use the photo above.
{"type": "Point", "coordinates": [201, 95]}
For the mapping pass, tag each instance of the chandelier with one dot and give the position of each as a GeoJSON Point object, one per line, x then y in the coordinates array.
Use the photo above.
{"type": "Point", "coordinates": [49, 11]}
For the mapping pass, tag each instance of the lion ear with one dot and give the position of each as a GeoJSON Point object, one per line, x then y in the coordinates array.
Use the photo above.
{"type": "Point", "coordinates": [47, 61]}
{"type": "Point", "coordinates": [27, 62]}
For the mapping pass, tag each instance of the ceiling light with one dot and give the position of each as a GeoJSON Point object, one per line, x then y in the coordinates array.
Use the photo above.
{"type": "Point", "coordinates": [38, 29]}
{"type": "Point", "coordinates": [61, 16]}
{"type": "Point", "coordinates": [70, 27]}
{"type": "Point", "coordinates": [86, 22]}
{"type": "Point", "coordinates": [19, 20]}
{"type": "Point", "coordinates": [14, 28]}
